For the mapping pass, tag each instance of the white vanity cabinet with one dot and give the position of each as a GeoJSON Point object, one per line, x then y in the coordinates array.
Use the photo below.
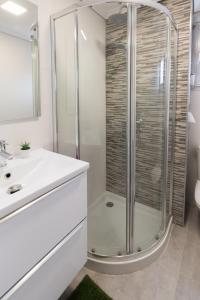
{"type": "Point", "coordinates": [44, 243]}
{"type": "Point", "coordinates": [57, 270]}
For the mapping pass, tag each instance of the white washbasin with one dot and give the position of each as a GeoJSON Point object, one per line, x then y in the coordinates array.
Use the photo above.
{"type": "Point", "coordinates": [41, 172]}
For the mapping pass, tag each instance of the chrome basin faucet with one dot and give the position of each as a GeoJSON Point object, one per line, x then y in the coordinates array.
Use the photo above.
{"type": "Point", "coordinates": [3, 163]}
{"type": "Point", "coordinates": [3, 152]}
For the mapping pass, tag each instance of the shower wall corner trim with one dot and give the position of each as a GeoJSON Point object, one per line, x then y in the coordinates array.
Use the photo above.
{"type": "Point", "coordinates": [131, 128]}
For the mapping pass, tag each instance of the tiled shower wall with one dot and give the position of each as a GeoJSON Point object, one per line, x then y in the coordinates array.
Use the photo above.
{"type": "Point", "coordinates": [151, 48]}
{"type": "Point", "coordinates": [181, 10]}
{"type": "Point", "coordinates": [151, 36]}
{"type": "Point", "coordinates": [116, 106]}
{"type": "Point", "coordinates": [150, 106]}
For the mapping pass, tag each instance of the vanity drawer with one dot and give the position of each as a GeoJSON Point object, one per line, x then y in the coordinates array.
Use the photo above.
{"type": "Point", "coordinates": [55, 272]}
{"type": "Point", "coordinates": [28, 235]}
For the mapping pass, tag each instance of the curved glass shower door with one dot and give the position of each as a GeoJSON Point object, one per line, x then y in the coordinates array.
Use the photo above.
{"type": "Point", "coordinates": [103, 90]}
{"type": "Point", "coordinates": [151, 121]}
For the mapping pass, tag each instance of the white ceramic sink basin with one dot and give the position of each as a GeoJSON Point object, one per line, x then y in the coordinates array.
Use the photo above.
{"type": "Point", "coordinates": [41, 172]}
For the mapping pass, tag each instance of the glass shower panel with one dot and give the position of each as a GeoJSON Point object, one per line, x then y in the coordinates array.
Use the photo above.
{"type": "Point", "coordinates": [92, 99]}
{"type": "Point", "coordinates": [103, 116]}
{"type": "Point", "coordinates": [151, 110]}
{"type": "Point", "coordinates": [65, 52]}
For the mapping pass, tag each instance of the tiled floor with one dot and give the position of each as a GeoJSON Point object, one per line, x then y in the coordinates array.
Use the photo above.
{"type": "Point", "coordinates": [174, 276]}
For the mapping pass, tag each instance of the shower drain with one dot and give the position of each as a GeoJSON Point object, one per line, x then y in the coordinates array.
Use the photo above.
{"type": "Point", "coordinates": [139, 249]}
{"type": "Point", "coordinates": [109, 204]}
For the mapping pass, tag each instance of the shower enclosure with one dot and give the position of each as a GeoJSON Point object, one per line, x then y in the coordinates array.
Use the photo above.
{"type": "Point", "coordinates": [114, 106]}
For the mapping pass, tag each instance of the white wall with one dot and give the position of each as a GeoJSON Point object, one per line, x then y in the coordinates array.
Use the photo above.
{"type": "Point", "coordinates": [38, 132]}
{"type": "Point", "coordinates": [194, 128]}
{"type": "Point", "coordinates": [194, 142]}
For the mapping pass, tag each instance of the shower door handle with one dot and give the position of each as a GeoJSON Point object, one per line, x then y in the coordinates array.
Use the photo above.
{"type": "Point", "coordinates": [139, 129]}
{"type": "Point", "coordinates": [139, 122]}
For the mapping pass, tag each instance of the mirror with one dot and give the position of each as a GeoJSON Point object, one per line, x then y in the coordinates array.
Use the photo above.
{"type": "Point", "coordinates": [19, 61]}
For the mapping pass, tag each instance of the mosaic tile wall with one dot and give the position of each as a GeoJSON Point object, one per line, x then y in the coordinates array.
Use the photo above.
{"type": "Point", "coordinates": [150, 105]}
{"type": "Point", "coordinates": [151, 38]}
{"type": "Point", "coordinates": [181, 10]}
{"type": "Point", "coordinates": [116, 106]}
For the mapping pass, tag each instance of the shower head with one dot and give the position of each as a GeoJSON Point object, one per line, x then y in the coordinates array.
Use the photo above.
{"type": "Point", "coordinates": [120, 17]}
{"type": "Point", "coordinates": [123, 9]}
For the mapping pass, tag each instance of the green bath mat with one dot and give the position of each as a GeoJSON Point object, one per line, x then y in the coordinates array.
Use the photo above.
{"type": "Point", "coordinates": [88, 290]}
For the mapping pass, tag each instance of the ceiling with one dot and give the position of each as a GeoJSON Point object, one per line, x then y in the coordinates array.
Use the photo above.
{"type": "Point", "coordinates": [18, 25]}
